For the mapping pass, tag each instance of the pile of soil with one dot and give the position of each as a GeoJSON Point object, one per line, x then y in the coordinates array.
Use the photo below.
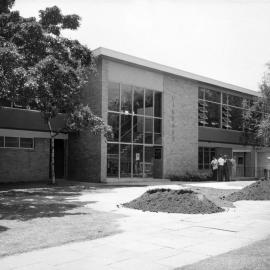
{"type": "Point", "coordinates": [174, 201]}
{"type": "Point", "coordinates": [259, 190]}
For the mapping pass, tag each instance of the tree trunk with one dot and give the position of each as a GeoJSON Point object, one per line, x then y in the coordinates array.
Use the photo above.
{"type": "Point", "coordinates": [52, 154]}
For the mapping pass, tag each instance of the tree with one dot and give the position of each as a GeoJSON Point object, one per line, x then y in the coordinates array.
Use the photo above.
{"type": "Point", "coordinates": [256, 116]}
{"type": "Point", "coordinates": [41, 69]}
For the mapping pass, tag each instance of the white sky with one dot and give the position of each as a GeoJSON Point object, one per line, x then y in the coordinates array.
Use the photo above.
{"type": "Point", "coordinates": [227, 40]}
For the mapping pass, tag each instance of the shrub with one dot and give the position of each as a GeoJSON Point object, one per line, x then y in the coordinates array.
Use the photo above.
{"type": "Point", "coordinates": [190, 177]}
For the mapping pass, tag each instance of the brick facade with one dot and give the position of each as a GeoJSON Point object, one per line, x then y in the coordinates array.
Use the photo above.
{"type": "Point", "coordinates": [22, 165]}
{"type": "Point", "coordinates": [180, 129]}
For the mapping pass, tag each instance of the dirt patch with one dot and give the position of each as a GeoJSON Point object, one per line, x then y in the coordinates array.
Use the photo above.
{"type": "Point", "coordinates": [259, 190]}
{"type": "Point", "coordinates": [174, 201]}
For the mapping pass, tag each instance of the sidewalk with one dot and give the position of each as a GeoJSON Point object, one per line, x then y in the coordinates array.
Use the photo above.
{"type": "Point", "coordinates": [153, 240]}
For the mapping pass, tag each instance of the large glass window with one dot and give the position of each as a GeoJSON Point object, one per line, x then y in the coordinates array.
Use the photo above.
{"type": "Point", "coordinates": [157, 131]}
{"type": "Point", "coordinates": [235, 101]}
{"type": "Point", "coordinates": [158, 104]}
{"type": "Point", "coordinates": [213, 115]}
{"type": "Point", "coordinates": [149, 102]}
{"type": "Point", "coordinates": [125, 128]}
{"type": "Point", "coordinates": [135, 115]}
{"type": "Point", "coordinates": [26, 142]}
{"type": "Point", "coordinates": [138, 129]}
{"type": "Point", "coordinates": [113, 121]}
{"type": "Point", "coordinates": [112, 159]}
{"type": "Point", "coordinates": [114, 97]}
{"type": "Point", "coordinates": [137, 160]}
{"type": "Point", "coordinates": [236, 119]}
{"type": "Point", "coordinates": [138, 101]}
{"type": "Point", "coordinates": [148, 130]}
{"type": "Point", "coordinates": [126, 98]}
{"type": "Point", "coordinates": [206, 154]}
{"type": "Point", "coordinates": [212, 95]}
{"type": "Point", "coordinates": [125, 160]}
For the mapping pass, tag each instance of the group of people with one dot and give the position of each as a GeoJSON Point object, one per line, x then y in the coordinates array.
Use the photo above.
{"type": "Point", "coordinates": [222, 168]}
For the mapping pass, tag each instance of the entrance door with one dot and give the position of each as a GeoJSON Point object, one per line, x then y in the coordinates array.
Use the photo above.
{"type": "Point", "coordinates": [240, 164]}
{"type": "Point", "coordinates": [59, 158]}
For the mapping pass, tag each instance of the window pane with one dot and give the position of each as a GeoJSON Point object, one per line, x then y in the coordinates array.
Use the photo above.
{"type": "Point", "coordinates": [125, 128]}
{"type": "Point", "coordinates": [113, 121]}
{"type": "Point", "coordinates": [213, 115]}
{"type": "Point", "coordinates": [148, 161]}
{"type": "Point", "coordinates": [1, 141]}
{"type": "Point", "coordinates": [235, 101]}
{"type": "Point", "coordinates": [125, 160]}
{"type": "Point", "coordinates": [236, 119]}
{"type": "Point", "coordinates": [11, 142]}
{"type": "Point", "coordinates": [114, 97]}
{"type": "Point", "coordinates": [112, 159]}
{"type": "Point", "coordinates": [138, 129]}
{"type": "Point", "coordinates": [158, 104]}
{"type": "Point", "coordinates": [126, 100]}
{"type": "Point", "coordinates": [200, 161]}
{"type": "Point", "coordinates": [138, 100]}
{"type": "Point", "coordinates": [26, 142]}
{"type": "Point", "coordinates": [226, 117]}
{"type": "Point", "coordinates": [157, 131]}
{"type": "Point", "coordinates": [224, 98]}
{"type": "Point", "coordinates": [212, 95]}
{"type": "Point", "coordinates": [148, 130]}
{"type": "Point", "coordinates": [206, 159]}
{"type": "Point", "coordinates": [137, 160]}
{"type": "Point", "coordinates": [202, 113]}
{"type": "Point", "coordinates": [201, 93]}
{"type": "Point", "coordinates": [148, 102]}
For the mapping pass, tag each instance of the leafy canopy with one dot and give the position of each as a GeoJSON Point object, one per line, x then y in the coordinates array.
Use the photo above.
{"type": "Point", "coordinates": [44, 70]}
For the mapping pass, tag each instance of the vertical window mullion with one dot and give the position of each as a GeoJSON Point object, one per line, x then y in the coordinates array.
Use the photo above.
{"type": "Point", "coordinates": [132, 116]}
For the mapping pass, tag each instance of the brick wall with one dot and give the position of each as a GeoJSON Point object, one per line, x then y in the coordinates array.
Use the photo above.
{"type": "Point", "coordinates": [180, 126]}
{"type": "Point", "coordinates": [84, 158]}
{"type": "Point", "coordinates": [20, 165]}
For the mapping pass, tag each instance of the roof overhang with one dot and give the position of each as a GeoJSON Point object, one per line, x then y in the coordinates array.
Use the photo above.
{"type": "Point", "coordinates": [170, 70]}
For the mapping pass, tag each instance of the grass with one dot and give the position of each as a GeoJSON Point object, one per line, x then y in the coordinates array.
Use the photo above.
{"type": "Point", "coordinates": [38, 217]}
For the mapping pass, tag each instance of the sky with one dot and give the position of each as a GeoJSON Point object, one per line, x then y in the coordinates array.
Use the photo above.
{"type": "Point", "coordinates": [227, 40]}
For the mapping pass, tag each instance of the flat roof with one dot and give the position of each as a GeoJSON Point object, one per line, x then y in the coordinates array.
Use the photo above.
{"type": "Point", "coordinates": [174, 71]}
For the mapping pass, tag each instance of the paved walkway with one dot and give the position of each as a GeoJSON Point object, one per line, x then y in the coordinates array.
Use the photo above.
{"type": "Point", "coordinates": [153, 240]}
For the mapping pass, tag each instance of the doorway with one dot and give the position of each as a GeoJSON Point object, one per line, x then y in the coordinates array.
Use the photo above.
{"type": "Point", "coordinates": [59, 158]}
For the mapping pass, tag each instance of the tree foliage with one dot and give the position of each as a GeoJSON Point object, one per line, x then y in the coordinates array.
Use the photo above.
{"type": "Point", "coordinates": [256, 116]}
{"type": "Point", "coordinates": [42, 69]}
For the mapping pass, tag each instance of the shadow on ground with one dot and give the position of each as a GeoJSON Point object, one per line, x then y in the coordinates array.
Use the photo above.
{"type": "Point", "coordinates": [26, 204]}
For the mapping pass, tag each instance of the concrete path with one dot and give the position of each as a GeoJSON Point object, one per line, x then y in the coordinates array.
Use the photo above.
{"type": "Point", "coordinates": [153, 240]}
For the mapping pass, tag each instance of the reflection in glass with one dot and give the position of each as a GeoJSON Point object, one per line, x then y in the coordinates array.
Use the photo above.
{"type": "Point", "coordinates": [112, 159]}
{"type": "Point", "coordinates": [126, 98]}
{"type": "Point", "coordinates": [236, 119]}
{"type": "Point", "coordinates": [201, 93]}
{"type": "Point", "coordinates": [235, 101]}
{"type": "Point", "coordinates": [213, 115]}
{"type": "Point", "coordinates": [224, 98]}
{"type": "Point", "coordinates": [157, 131]}
{"type": "Point", "coordinates": [148, 161]}
{"type": "Point", "coordinates": [113, 97]}
{"type": "Point", "coordinates": [212, 95]}
{"type": "Point", "coordinates": [113, 121]}
{"type": "Point", "coordinates": [148, 130]}
{"type": "Point", "coordinates": [158, 104]}
{"type": "Point", "coordinates": [149, 102]}
{"type": "Point", "coordinates": [125, 128]}
{"type": "Point", "coordinates": [138, 129]}
{"type": "Point", "coordinates": [138, 100]}
{"type": "Point", "coordinates": [125, 160]}
{"type": "Point", "coordinates": [137, 160]}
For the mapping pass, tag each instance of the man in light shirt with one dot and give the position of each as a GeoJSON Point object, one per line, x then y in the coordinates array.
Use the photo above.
{"type": "Point", "coordinates": [221, 162]}
{"type": "Point", "coordinates": [214, 166]}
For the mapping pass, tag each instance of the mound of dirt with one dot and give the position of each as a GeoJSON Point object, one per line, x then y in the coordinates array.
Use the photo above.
{"type": "Point", "coordinates": [259, 190]}
{"type": "Point", "coordinates": [174, 201]}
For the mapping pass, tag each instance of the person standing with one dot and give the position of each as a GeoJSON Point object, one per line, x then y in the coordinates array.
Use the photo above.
{"type": "Point", "coordinates": [226, 168]}
{"type": "Point", "coordinates": [214, 166]}
{"type": "Point", "coordinates": [221, 162]}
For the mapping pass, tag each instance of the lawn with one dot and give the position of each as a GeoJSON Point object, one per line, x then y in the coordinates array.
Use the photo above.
{"type": "Point", "coordinates": [45, 216]}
